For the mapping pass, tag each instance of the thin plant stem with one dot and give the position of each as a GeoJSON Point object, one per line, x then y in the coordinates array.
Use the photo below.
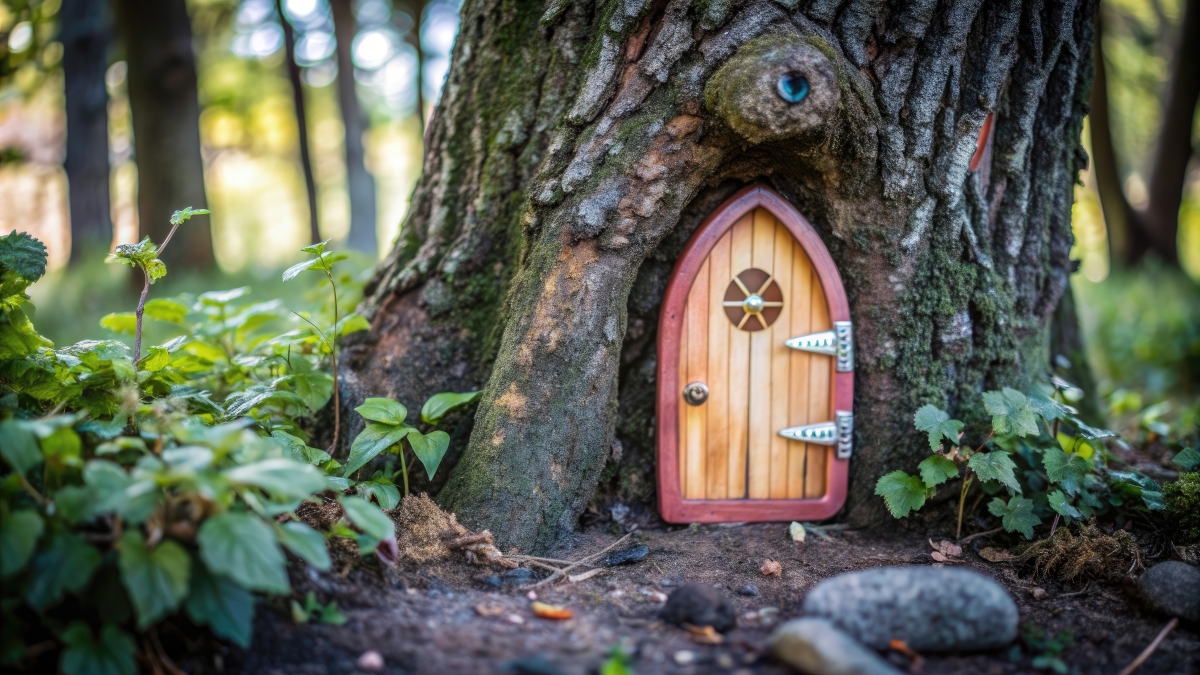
{"type": "Point", "coordinates": [1054, 525]}
{"type": "Point", "coordinates": [985, 441]}
{"type": "Point", "coordinates": [141, 308]}
{"type": "Point", "coordinates": [962, 499]}
{"type": "Point", "coordinates": [337, 399]}
{"type": "Point", "coordinates": [404, 470]}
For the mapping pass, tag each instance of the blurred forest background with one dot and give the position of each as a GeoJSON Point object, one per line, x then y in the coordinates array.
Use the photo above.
{"type": "Point", "coordinates": [302, 120]}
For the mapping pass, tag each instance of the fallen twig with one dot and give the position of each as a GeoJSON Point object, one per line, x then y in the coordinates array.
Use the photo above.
{"type": "Point", "coordinates": [1150, 649]}
{"type": "Point", "coordinates": [1081, 591]}
{"type": "Point", "coordinates": [582, 561]}
{"type": "Point", "coordinates": [977, 535]}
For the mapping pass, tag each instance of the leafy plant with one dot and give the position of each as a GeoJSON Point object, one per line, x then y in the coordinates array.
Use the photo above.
{"type": "Point", "coordinates": [1047, 648]}
{"type": "Point", "coordinates": [144, 256]}
{"type": "Point", "coordinates": [1027, 454]}
{"type": "Point", "coordinates": [312, 610]}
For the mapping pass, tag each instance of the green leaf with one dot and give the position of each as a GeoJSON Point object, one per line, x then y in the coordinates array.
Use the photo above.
{"type": "Point", "coordinates": [352, 324]}
{"type": "Point", "coordinates": [111, 655]}
{"type": "Point", "coordinates": [117, 491]}
{"type": "Point", "coordinates": [1011, 412]}
{"type": "Point", "coordinates": [937, 423]}
{"type": "Point", "coordinates": [65, 563]}
{"type": "Point", "coordinates": [383, 410]}
{"type": "Point", "coordinates": [306, 543]}
{"type": "Point", "coordinates": [902, 493]}
{"type": "Point", "coordinates": [156, 578]}
{"type": "Point", "coordinates": [936, 470]}
{"type": "Point", "coordinates": [120, 322]}
{"type": "Point", "coordinates": [244, 548]}
{"type": "Point", "coordinates": [368, 518]}
{"type": "Point", "coordinates": [19, 533]}
{"type": "Point", "coordinates": [438, 405]}
{"type": "Point", "coordinates": [373, 440]}
{"type": "Point", "coordinates": [1066, 470]}
{"type": "Point", "coordinates": [383, 490]}
{"type": "Point", "coordinates": [430, 449]}
{"type": "Point", "coordinates": [182, 216]}
{"type": "Point", "coordinates": [997, 466]}
{"type": "Point", "coordinates": [313, 386]}
{"type": "Point", "coordinates": [19, 447]}
{"type": "Point", "coordinates": [139, 255]}
{"type": "Point", "coordinates": [331, 616]}
{"type": "Point", "coordinates": [23, 254]}
{"type": "Point", "coordinates": [316, 249]}
{"type": "Point", "coordinates": [156, 359]}
{"type": "Point", "coordinates": [281, 477]}
{"type": "Point", "coordinates": [169, 311]}
{"type": "Point", "coordinates": [1016, 516]}
{"type": "Point", "coordinates": [1188, 458]}
{"type": "Point", "coordinates": [219, 603]}
{"type": "Point", "coordinates": [1133, 483]}
{"type": "Point", "coordinates": [223, 298]}
{"type": "Point", "coordinates": [1062, 505]}
{"type": "Point", "coordinates": [295, 270]}
{"type": "Point", "coordinates": [1049, 409]}
{"type": "Point", "coordinates": [75, 504]}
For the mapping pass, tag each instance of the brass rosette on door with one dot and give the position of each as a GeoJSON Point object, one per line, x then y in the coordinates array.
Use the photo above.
{"type": "Point", "coordinates": [753, 301]}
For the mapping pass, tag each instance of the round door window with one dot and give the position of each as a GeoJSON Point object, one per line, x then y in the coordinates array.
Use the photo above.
{"type": "Point", "coordinates": [753, 300]}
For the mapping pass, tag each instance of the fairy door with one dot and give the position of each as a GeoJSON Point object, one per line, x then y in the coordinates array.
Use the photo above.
{"type": "Point", "coordinates": [755, 370]}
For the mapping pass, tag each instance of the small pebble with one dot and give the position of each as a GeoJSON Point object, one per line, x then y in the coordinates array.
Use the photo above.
{"type": "Point", "coordinates": [1037, 593]}
{"type": "Point", "coordinates": [771, 568]}
{"type": "Point", "coordinates": [370, 661]}
{"type": "Point", "coordinates": [684, 657]}
{"type": "Point", "coordinates": [490, 581]}
{"type": "Point", "coordinates": [532, 595]}
{"type": "Point", "coordinates": [518, 576]}
{"type": "Point", "coordinates": [724, 661]}
{"type": "Point", "coordinates": [700, 606]}
{"type": "Point", "coordinates": [626, 556]}
{"type": "Point", "coordinates": [515, 618]}
{"type": "Point", "coordinates": [749, 589]}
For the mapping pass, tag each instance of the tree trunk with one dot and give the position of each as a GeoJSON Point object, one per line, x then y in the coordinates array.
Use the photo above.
{"type": "Point", "coordinates": [299, 109]}
{"type": "Point", "coordinates": [157, 35]}
{"type": "Point", "coordinates": [84, 38]}
{"type": "Point", "coordinates": [359, 182]}
{"type": "Point", "coordinates": [578, 145]}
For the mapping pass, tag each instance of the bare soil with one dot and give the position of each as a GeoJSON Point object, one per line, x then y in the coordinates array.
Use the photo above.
{"type": "Point", "coordinates": [441, 618]}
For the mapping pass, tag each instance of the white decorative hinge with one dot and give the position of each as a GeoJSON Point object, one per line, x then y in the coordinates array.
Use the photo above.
{"type": "Point", "coordinates": [838, 433]}
{"type": "Point", "coordinates": [838, 343]}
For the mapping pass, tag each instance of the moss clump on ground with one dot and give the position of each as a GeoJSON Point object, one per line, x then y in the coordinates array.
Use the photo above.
{"type": "Point", "coordinates": [1182, 499]}
{"type": "Point", "coordinates": [1091, 553]}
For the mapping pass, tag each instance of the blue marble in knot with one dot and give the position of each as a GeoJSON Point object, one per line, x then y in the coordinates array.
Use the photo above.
{"type": "Point", "coordinates": [793, 87]}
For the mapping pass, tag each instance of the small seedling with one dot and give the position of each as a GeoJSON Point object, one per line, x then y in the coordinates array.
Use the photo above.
{"type": "Point", "coordinates": [144, 256]}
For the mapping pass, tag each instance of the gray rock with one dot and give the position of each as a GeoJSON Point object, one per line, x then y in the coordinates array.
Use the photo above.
{"type": "Point", "coordinates": [628, 555]}
{"type": "Point", "coordinates": [1172, 588]}
{"type": "Point", "coordinates": [699, 605]}
{"type": "Point", "coordinates": [817, 647]}
{"type": "Point", "coordinates": [931, 608]}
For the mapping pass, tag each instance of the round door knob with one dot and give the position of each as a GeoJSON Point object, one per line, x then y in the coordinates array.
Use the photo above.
{"type": "Point", "coordinates": [695, 393]}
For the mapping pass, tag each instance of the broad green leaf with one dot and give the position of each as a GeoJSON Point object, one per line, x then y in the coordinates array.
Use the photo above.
{"type": "Point", "coordinates": [1016, 516]}
{"type": "Point", "coordinates": [156, 359]}
{"type": "Point", "coordinates": [316, 249]}
{"type": "Point", "coordinates": [19, 447]}
{"type": "Point", "coordinates": [373, 440]}
{"type": "Point", "coordinates": [352, 324]}
{"type": "Point", "coordinates": [438, 405]}
{"type": "Point", "coordinates": [1188, 458]}
{"type": "Point", "coordinates": [306, 543]}
{"type": "Point", "coordinates": [222, 605]}
{"type": "Point", "coordinates": [111, 655]}
{"type": "Point", "coordinates": [170, 311]}
{"type": "Point", "coordinates": [936, 470]}
{"type": "Point", "coordinates": [156, 578]}
{"type": "Point", "coordinates": [430, 449]}
{"type": "Point", "coordinates": [183, 215]}
{"type": "Point", "coordinates": [75, 504]}
{"type": "Point", "coordinates": [997, 466]}
{"type": "Point", "coordinates": [18, 337]}
{"type": "Point", "coordinates": [338, 484]}
{"type": "Point", "coordinates": [1062, 505]}
{"type": "Point", "coordinates": [313, 386]}
{"type": "Point", "coordinates": [383, 410]}
{"type": "Point", "coordinates": [120, 322]}
{"type": "Point", "coordinates": [901, 492]}
{"type": "Point", "coordinates": [1136, 484]}
{"type": "Point", "coordinates": [119, 492]}
{"type": "Point", "coordinates": [138, 255]}
{"type": "Point", "coordinates": [937, 423]}
{"type": "Point", "coordinates": [222, 298]}
{"type": "Point", "coordinates": [244, 548]}
{"type": "Point", "coordinates": [195, 457]}
{"type": "Point", "coordinates": [368, 518]}
{"type": "Point", "coordinates": [1011, 412]}
{"type": "Point", "coordinates": [23, 254]}
{"type": "Point", "coordinates": [295, 270]}
{"type": "Point", "coordinates": [281, 477]}
{"type": "Point", "coordinates": [19, 534]}
{"type": "Point", "coordinates": [383, 490]}
{"type": "Point", "coordinates": [1049, 409]}
{"type": "Point", "coordinates": [65, 563]}
{"type": "Point", "coordinates": [1068, 471]}
{"type": "Point", "coordinates": [1089, 432]}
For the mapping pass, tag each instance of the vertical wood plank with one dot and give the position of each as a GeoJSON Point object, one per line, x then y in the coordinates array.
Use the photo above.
{"type": "Point", "coordinates": [740, 257]}
{"type": "Point", "coordinates": [717, 431]}
{"type": "Point", "coordinates": [818, 396]}
{"type": "Point", "coordinates": [781, 363]}
{"type": "Point", "coordinates": [682, 409]}
{"type": "Point", "coordinates": [800, 364]}
{"type": "Point", "coordinates": [697, 332]}
{"type": "Point", "coordinates": [763, 258]}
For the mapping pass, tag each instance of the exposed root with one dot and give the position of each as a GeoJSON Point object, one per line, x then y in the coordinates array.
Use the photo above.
{"type": "Point", "coordinates": [1091, 554]}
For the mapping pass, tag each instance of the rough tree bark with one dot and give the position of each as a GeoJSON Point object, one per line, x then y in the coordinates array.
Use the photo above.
{"type": "Point", "coordinates": [577, 145]}
{"type": "Point", "coordinates": [157, 36]}
{"type": "Point", "coordinates": [359, 182]}
{"type": "Point", "coordinates": [85, 43]}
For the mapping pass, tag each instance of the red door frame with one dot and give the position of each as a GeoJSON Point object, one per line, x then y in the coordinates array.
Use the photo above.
{"type": "Point", "coordinates": [673, 507]}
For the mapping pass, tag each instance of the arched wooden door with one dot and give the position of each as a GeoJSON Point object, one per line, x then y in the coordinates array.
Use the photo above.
{"type": "Point", "coordinates": [755, 370]}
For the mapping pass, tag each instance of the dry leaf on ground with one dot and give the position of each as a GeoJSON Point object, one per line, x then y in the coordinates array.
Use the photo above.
{"type": "Point", "coordinates": [705, 635]}
{"type": "Point", "coordinates": [996, 555]}
{"type": "Point", "coordinates": [555, 612]}
{"type": "Point", "coordinates": [771, 568]}
{"type": "Point", "coordinates": [484, 609]}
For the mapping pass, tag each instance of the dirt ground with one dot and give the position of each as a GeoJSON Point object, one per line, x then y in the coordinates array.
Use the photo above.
{"type": "Point", "coordinates": [443, 618]}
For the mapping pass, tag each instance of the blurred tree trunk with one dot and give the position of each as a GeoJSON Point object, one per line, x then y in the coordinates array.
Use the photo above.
{"type": "Point", "coordinates": [300, 110]}
{"type": "Point", "coordinates": [157, 36]}
{"type": "Point", "coordinates": [84, 36]}
{"type": "Point", "coordinates": [359, 182]}
{"type": "Point", "coordinates": [1133, 232]}
{"type": "Point", "coordinates": [416, 9]}
{"type": "Point", "coordinates": [576, 147]}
